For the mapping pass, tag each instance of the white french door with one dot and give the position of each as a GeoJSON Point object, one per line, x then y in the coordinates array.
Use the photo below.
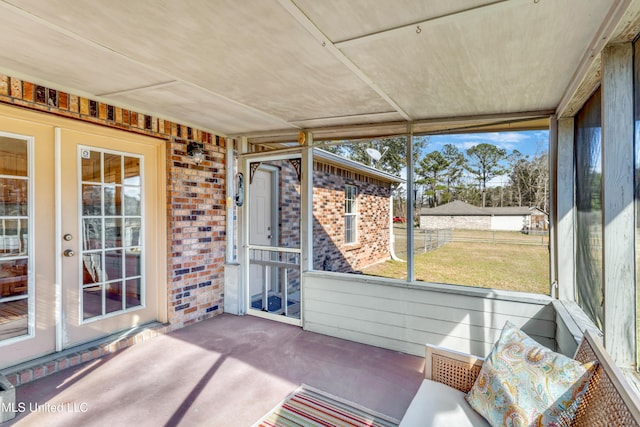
{"type": "Point", "coordinates": [82, 241]}
{"type": "Point", "coordinates": [108, 283]}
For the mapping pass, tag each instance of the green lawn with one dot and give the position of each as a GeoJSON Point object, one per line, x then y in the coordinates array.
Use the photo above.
{"type": "Point", "coordinates": [499, 266]}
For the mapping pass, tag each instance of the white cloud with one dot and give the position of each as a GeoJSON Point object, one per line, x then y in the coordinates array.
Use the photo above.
{"type": "Point", "coordinates": [498, 181]}
{"type": "Point", "coordinates": [526, 142]}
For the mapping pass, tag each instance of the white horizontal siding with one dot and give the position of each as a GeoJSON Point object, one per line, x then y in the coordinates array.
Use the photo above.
{"type": "Point", "coordinates": [571, 322]}
{"type": "Point", "coordinates": [509, 223]}
{"type": "Point", "coordinates": [403, 317]}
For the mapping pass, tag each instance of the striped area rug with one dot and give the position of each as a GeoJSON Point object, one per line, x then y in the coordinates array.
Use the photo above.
{"type": "Point", "coordinates": [311, 407]}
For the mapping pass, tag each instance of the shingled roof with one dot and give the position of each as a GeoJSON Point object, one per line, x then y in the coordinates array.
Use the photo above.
{"type": "Point", "coordinates": [459, 208]}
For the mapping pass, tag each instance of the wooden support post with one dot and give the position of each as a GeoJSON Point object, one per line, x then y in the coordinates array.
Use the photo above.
{"type": "Point", "coordinates": [564, 228]}
{"type": "Point", "coordinates": [553, 205]}
{"type": "Point", "coordinates": [618, 204]}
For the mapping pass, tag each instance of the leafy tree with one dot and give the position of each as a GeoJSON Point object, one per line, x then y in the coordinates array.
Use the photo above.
{"type": "Point", "coordinates": [432, 169]}
{"type": "Point", "coordinates": [484, 163]}
{"type": "Point", "coordinates": [393, 150]}
{"type": "Point", "coordinates": [455, 169]}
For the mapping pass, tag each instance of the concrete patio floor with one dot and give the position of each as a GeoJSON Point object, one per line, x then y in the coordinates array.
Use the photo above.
{"type": "Point", "coordinates": [225, 371]}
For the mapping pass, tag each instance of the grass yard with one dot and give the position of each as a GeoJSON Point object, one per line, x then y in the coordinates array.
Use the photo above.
{"type": "Point", "coordinates": [521, 268]}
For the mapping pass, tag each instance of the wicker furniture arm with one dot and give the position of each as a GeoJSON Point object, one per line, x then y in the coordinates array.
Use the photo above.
{"type": "Point", "coordinates": [455, 369]}
{"type": "Point", "coordinates": [609, 400]}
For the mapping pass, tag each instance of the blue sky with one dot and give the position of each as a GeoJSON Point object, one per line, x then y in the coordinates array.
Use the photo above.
{"type": "Point", "coordinates": [527, 142]}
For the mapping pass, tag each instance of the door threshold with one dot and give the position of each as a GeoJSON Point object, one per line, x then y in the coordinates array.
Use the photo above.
{"type": "Point", "coordinates": [275, 317]}
{"type": "Point", "coordinates": [55, 362]}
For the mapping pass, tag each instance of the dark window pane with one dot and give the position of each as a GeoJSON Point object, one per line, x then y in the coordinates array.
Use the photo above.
{"type": "Point", "coordinates": [132, 265]}
{"type": "Point", "coordinates": [636, 94]}
{"type": "Point", "coordinates": [588, 155]}
{"type": "Point", "coordinates": [113, 264]}
{"type": "Point", "coordinates": [113, 297]}
{"type": "Point", "coordinates": [134, 296]}
{"type": "Point", "coordinates": [92, 301]}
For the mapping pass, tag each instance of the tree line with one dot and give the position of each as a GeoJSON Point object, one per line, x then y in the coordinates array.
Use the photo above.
{"type": "Point", "coordinates": [448, 174]}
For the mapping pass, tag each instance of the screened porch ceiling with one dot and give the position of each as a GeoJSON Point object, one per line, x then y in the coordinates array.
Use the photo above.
{"type": "Point", "coordinates": [268, 69]}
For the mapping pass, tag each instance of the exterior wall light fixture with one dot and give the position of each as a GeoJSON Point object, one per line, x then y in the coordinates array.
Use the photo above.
{"type": "Point", "coordinates": [196, 152]}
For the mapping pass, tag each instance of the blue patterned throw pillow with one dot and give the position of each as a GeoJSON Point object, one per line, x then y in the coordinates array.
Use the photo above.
{"type": "Point", "coordinates": [523, 383]}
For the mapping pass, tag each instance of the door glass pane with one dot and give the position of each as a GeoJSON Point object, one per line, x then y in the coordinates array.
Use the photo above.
{"type": "Point", "coordinates": [133, 293]}
{"type": "Point", "coordinates": [14, 280]}
{"type": "Point", "coordinates": [132, 263]}
{"type": "Point", "coordinates": [14, 159]}
{"type": "Point", "coordinates": [131, 171]}
{"type": "Point", "coordinates": [91, 200]}
{"type": "Point", "coordinates": [107, 267]}
{"type": "Point", "coordinates": [92, 268]}
{"type": "Point", "coordinates": [92, 236]}
{"type": "Point", "coordinates": [15, 197]}
{"type": "Point", "coordinates": [91, 165]}
{"type": "Point", "coordinates": [92, 301]}
{"type": "Point", "coordinates": [112, 200]}
{"type": "Point", "coordinates": [113, 263]}
{"type": "Point", "coordinates": [113, 295]}
{"type": "Point", "coordinates": [13, 318]}
{"type": "Point", "coordinates": [132, 232]}
{"type": "Point", "coordinates": [112, 168]}
{"type": "Point", "coordinates": [15, 283]}
{"type": "Point", "coordinates": [14, 234]}
{"type": "Point", "coordinates": [113, 232]}
{"type": "Point", "coordinates": [132, 205]}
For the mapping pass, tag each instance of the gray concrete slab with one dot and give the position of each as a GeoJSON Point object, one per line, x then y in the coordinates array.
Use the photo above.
{"type": "Point", "coordinates": [225, 371]}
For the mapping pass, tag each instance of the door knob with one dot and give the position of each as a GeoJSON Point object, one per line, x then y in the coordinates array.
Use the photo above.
{"type": "Point", "coordinates": [69, 253]}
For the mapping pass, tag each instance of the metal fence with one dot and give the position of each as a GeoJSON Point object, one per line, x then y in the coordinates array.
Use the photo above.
{"type": "Point", "coordinates": [426, 240]}
{"type": "Point", "coordinates": [432, 239]}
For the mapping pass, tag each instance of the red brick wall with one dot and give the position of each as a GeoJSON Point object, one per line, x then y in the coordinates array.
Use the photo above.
{"type": "Point", "coordinates": [195, 194]}
{"type": "Point", "coordinates": [289, 204]}
{"type": "Point", "coordinates": [329, 249]}
{"type": "Point", "coordinates": [196, 230]}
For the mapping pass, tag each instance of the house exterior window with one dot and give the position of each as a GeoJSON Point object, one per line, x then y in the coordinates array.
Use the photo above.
{"type": "Point", "coordinates": [350, 213]}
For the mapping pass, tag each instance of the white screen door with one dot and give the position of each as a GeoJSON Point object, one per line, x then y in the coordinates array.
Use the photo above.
{"type": "Point", "coordinates": [274, 238]}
